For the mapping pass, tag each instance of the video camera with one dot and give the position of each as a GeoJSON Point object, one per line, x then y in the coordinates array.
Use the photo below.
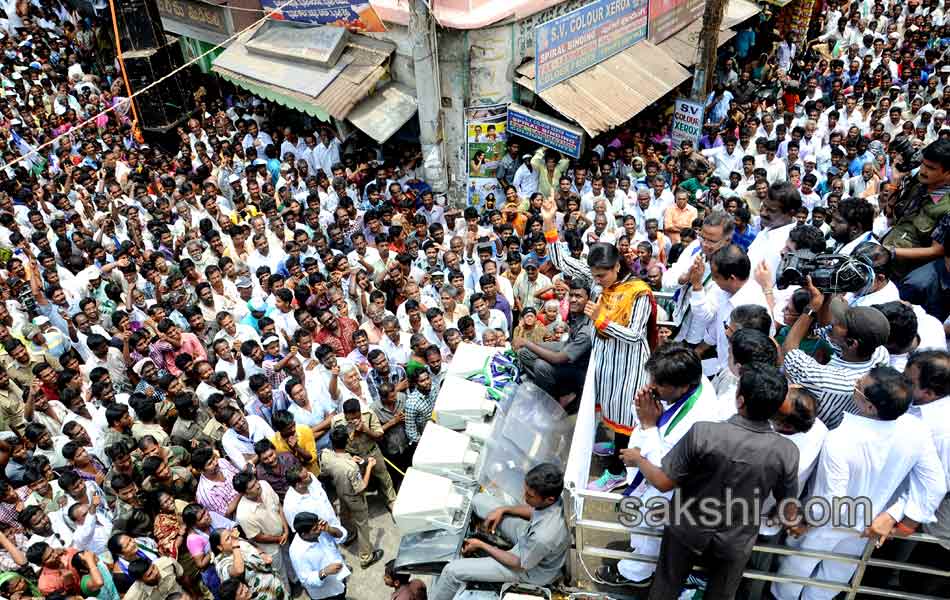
{"type": "Point", "coordinates": [830, 273]}
{"type": "Point", "coordinates": [910, 157]}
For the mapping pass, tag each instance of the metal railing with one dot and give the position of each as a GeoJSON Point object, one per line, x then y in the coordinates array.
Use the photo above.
{"type": "Point", "coordinates": [596, 512]}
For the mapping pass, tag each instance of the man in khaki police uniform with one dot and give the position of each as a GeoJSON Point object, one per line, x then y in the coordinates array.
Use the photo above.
{"type": "Point", "coordinates": [350, 485]}
{"type": "Point", "coordinates": [365, 430]}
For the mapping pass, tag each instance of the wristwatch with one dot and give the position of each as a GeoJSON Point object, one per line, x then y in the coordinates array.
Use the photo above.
{"type": "Point", "coordinates": [812, 314]}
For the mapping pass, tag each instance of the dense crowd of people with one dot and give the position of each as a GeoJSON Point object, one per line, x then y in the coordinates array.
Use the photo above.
{"type": "Point", "coordinates": [217, 355]}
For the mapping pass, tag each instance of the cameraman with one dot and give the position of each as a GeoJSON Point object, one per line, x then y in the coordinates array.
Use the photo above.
{"type": "Point", "coordinates": [922, 199]}
{"type": "Point", "coordinates": [859, 332]}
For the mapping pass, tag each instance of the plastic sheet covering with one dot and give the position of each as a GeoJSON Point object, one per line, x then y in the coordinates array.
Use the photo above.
{"type": "Point", "coordinates": [427, 552]}
{"type": "Point", "coordinates": [530, 428]}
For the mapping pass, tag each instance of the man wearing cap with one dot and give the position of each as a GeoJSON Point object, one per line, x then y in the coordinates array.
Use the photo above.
{"type": "Point", "coordinates": [526, 178]}
{"type": "Point", "coordinates": [259, 309]}
{"type": "Point", "coordinates": [859, 332]}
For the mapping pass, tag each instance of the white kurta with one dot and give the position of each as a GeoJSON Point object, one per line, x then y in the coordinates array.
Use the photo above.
{"type": "Point", "coordinates": [865, 459]}
{"type": "Point", "coordinates": [654, 444]}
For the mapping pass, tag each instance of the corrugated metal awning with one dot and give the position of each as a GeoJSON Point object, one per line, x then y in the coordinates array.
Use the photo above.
{"type": "Point", "coordinates": [382, 114]}
{"type": "Point", "coordinates": [321, 92]}
{"type": "Point", "coordinates": [682, 46]}
{"type": "Point", "coordinates": [612, 92]}
{"type": "Point", "coordinates": [738, 11]}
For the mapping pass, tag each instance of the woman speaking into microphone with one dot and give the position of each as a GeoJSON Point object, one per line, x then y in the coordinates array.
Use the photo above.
{"type": "Point", "coordinates": [625, 331]}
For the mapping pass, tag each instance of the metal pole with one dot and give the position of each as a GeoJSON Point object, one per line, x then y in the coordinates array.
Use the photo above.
{"type": "Point", "coordinates": [425, 56]}
{"type": "Point", "coordinates": [707, 50]}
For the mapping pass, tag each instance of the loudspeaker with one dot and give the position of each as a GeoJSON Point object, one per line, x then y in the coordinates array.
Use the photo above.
{"type": "Point", "coordinates": [140, 24]}
{"type": "Point", "coordinates": [166, 104]}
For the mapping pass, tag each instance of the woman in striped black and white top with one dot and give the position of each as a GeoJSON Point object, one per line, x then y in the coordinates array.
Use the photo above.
{"type": "Point", "coordinates": [624, 321]}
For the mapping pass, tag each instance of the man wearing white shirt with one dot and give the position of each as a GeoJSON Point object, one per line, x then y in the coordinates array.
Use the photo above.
{"type": "Point", "coordinates": [394, 342]}
{"type": "Point", "coordinates": [810, 143]}
{"type": "Point", "coordinates": [797, 420]}
{"type": "Point", "coordinates": [243, 431]}
{"type": "Point", "coordinates": [308, 154]}
{"type": "Point", "coordinates": [327, 152]}
{"type": "Point", "coordinates": [526, 179]}
{"type": "Point", "coordinates": [726, 158]}
{"type": "Point", "coordinates": [292, 145]}
{"type": "Point", "coordinates": [305, 493]}
{"type": "Point", "coordinates": [882, 288]}
{"type": "Point", "coordinates": [265, 256]}
{"type": "Point", "coordinates": [644, 210]}
{"type": "Point", "coordinates": [284, 321]}
{"type": "Point", "coordinates": [730, 270]}
{"type": "Point", "coordinates": [680, 370]}
{"type": "Point", "coordinates": [660, 195]}
{"type": "Point", "coordinates": [256, 138]}
{"type": "Point", "coordinates": [912, 331]}
{"type": "Point", "coordinates": [868, 457]}
{"type": "Point", "coordinates": [315, 555]}
{"type": "Point", "coordinates": [717, 231]}
{"type": "Point", "coordinates": [929, 375]}
{"type": "Point", "coordinates": [616, 198]}
{"type": "Point", "coordinates": [775, 168]}
{"type": "Point", "coordinates": [746, 176]}
{"type": "Point", "coordinates": [231, 331]}
{"type": "Point", "coordinates": [364, 256]}
{"type": "Point", "coordinates": [777, 219]}
{"type": "Point", "coordinates": [596, 193]}
{"type": "Point", "coordinates": [487, 318]}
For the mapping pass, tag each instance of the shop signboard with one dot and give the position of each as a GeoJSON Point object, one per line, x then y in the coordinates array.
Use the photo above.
{"type": "Point", "coordinates": [687, 122]}
{"type": "Point", "coordinates": [669, 16]}
{"type": "Point", "coordinates": [544, 130]}
{"type": "Point", "coordinates": [355, 15]}
{"type": "Point", "coordinates": [201, 20]}
{"type": "Point", "coordinates": [485, 133]}
{"type": "Point", "coordinates": [571, 43]}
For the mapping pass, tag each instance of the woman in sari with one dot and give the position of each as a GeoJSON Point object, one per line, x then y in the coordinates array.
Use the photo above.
{"type": "Point", "coordinates": [233, 557]}
{"type": "Point", "coordinates": [169, 528]}
{"type": "Point", "coordinates": [14, 586]}
{"type": "Point", "coordinates": [197, 519]}
{"type": "Point", "coordinates": [125, 549]}
{"type": "Point", "coordinates": [170, 532]}
{"type": "Point", "coordinates": [625, 332]}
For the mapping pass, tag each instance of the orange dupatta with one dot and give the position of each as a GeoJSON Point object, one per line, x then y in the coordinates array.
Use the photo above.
{"type": "Point", "coordinates": [617, 302]}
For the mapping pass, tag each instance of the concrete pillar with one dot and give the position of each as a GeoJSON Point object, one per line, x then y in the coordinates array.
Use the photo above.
{"type": "Point", "coordinates": [425, 56]}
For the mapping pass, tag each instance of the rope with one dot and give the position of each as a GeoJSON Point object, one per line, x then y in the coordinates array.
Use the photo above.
{"type": "Point", "coordinates": [91, 119]}
{"type": "Point", "coordinates": [395, 468]}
